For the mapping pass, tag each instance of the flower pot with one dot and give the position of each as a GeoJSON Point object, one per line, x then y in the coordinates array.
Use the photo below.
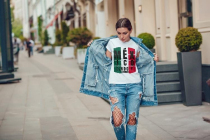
{"type": "Point", "coordinates": [68, 52]}
{"type": "Point", "coordinates": [46, 48]}
{"type": "Point", "coordinates": [189, 65]}
{"type": "Point", "coordinates": [58, 50]}
{"type": "Point", "coordinates": [81, 55]}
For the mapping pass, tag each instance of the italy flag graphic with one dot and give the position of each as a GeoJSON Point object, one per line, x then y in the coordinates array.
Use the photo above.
{"type": "Point", "coordinates": [124, 60]}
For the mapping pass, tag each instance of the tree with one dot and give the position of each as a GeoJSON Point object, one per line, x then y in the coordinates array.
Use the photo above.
{"type": "Point", "coordinates": [65, 30]}
{"type": "Point", "coordinates": [17, 28]}
{"type": "Point", "coordinates": [46, 38]}
{"type": "Point", "coordinates": [40, 21]}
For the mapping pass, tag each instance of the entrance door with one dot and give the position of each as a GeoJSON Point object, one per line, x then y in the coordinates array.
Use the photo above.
{"type": "Point", "coordinates": [185, 13]}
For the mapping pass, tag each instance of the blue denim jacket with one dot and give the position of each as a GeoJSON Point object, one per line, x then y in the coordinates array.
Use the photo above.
{"type": "Point", "coordinates": [95, 80]}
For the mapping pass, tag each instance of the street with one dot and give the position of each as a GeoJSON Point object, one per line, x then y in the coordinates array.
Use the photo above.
{"type": "Point", "coordinates": [46, 105]}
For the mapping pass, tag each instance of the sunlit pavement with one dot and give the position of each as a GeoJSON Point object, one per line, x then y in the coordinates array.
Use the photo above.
{"type": "Point", "coordinates": [46, 105]}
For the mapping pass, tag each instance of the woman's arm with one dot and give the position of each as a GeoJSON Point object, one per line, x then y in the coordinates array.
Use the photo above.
{"type": "Point", "coordinates": [156, 58]}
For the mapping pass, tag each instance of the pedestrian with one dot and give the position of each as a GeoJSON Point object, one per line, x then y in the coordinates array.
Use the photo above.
{"type": "Point", "coordinates": [121, 69]}
{"type": "Point", "coordinates": [208, 82]}
{"type": "Point", "coordinates": [16, 50]}
{"type": "Point", "coordinates": [32, 46]}
{"type": "Point", "coordinates": [28, 47]}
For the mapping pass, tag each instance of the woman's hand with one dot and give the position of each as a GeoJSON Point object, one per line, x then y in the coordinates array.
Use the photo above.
{"type": "Point", "coordinates": [89, 43]}
{"type": "Point", "coordinates": [156, 58]}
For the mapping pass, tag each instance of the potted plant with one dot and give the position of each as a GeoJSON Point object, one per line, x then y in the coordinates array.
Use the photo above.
{"type": "Point", "coordinates": [148, 40]}
{"type": "Point", "coordinates": [58, 42]}
{"type": "Point", "coordinates": [96, 38]}
{"type": "Point", "coordinates": [80, 36]}
{"type": "Point", "coordinates": [46, 44]}
{"type": "Point", "coordinates": [67, 50]}
{"type": "Point", "coordinates": [188, 41]}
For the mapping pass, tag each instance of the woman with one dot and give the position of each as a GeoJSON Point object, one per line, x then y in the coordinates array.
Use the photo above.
{"type": "Point", "coordinates": [131, 63]}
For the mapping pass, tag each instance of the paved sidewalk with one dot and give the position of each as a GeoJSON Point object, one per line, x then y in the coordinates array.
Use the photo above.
{"type": "Point", "coordinates": [47, 105]}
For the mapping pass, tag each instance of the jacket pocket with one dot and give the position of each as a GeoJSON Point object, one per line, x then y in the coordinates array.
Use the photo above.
{"type": "Point", "coordinates": [147, 84]}
{"type": "Point", "coordinates": [91, 74]}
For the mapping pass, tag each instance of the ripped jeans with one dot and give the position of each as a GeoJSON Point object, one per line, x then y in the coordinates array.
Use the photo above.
{"type": "Point", "coordinates": [125, 96]}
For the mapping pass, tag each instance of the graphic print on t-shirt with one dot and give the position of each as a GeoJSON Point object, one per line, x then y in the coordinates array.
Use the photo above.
{"type": "Point", "coordinates": [124, 60]}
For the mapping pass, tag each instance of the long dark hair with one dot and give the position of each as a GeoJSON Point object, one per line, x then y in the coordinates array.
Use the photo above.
{"type": "Point", "coordinates": [123, 22]}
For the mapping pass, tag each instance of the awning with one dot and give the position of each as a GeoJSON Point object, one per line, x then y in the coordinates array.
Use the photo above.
{"type": "Point", "coordinates": [51, 23]}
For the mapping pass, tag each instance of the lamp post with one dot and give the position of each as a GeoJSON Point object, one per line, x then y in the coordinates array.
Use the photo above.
{"type": "Point", "coordinates": [6, 39]}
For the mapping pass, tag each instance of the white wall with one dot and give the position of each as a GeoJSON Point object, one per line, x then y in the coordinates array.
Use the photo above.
{"type": "Point", "coordinates": [26, 32]}
{"type": "Point", "coordinates": [18, 9]}
{"type": "Point", "coordinates": [201, 20]}
{"type": "Point", "coordinates": [100, 20]}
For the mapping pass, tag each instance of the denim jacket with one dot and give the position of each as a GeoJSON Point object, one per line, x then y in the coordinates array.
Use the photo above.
{"type": "Point", "coordinates": [95, 80]}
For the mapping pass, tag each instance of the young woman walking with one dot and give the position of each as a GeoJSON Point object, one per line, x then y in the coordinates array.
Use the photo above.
{"type": "Point", "coordinates": [125, 75]}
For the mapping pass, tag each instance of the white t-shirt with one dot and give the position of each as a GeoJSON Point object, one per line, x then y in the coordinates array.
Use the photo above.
{"type": "Point", "coordinates": [123, 70]}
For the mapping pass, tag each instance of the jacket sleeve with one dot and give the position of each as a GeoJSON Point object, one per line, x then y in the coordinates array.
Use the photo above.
{"type": "Point", "coordinates": [91, 75]}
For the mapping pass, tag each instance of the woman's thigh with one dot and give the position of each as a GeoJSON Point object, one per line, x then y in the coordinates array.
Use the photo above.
{"type": "Point", "coordinates": [133, 101]}
{"type": "Point", "coordinates": [117, 102]}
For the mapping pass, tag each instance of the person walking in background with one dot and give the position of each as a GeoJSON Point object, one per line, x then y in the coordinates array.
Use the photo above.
{"type": "Point", "coordinates": [28, 47]}
{"type": "Point", "coordinates": [16, 50]}
{"type": "Point", "coordinates": [121, 69]}
{"type": "Point", "coordinates": [32, 46]}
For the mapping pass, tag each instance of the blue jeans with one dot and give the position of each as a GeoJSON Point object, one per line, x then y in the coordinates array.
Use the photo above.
{"type": "Point", "coordinates": [125, 97]}
{"type": "Point", "coordinates": [31, 50]}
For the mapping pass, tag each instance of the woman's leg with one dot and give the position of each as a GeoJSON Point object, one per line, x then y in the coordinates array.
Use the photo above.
{"type": "Point", "coordinates": [117, 102]}
{"type": "Point", "coordinates": [132, 110]}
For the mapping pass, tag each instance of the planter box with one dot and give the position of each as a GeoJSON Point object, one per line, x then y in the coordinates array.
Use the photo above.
{"type": "Point", "coordinates": [58, 50]}
{"type": "Point", "coordinates": [189, 65]}
{"type": "Point", "coordinates": [68, 52]}
{"type": "Point", "coordinates": [46, 48]}
{"type": "Point", "coordinates": [81, 55]}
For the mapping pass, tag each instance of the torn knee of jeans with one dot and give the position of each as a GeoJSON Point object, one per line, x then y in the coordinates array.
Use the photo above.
{"type": "Point", "coordinates": [132, 119]}
{"type": "Point", "coordinates": [113, 99]}
{"type": "Point", "coordinates": [117, 117]}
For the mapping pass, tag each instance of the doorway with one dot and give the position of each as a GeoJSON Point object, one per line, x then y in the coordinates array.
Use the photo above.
{"type": "Point", "coordinates": [185, 13]}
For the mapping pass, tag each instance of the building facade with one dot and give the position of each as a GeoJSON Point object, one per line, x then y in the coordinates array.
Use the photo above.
{"type": "Point", "coordinates": [161, 18]}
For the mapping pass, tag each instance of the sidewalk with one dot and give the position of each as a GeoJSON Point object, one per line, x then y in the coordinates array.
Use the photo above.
{"type": "Point", "coordinates": [47, 105]}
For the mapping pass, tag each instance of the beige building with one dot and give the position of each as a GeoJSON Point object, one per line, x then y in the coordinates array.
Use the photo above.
{"type": "Point", "coordinates": [161, 18]}
{"type": "Point", "coordinates": [18, 12]}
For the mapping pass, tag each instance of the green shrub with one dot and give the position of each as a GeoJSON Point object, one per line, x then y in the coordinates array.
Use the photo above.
{"type": "Point", "coordinates": [79, 36]}
{"type": "Point", "coordinates": [96, 38]}
{"type": "Point", "coordinates": [188, 39]}
{"type": "Point", "coordinates": [40, 21]}
{"type": "Point", "coordinates": [46, 38]}
{"type": "Point", "coordinates": [58, 40]}
{"type": "Point", "coordinates": [65, 30]}
{"type": "Point", "coordinates": [148, 40]}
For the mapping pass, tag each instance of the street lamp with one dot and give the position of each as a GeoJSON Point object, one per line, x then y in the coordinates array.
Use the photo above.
{"type": "Point", "coordinates": [50, 11]}
{"type": "Point", "coordinates": [140, 8]}
{"type": "Point", "coordinates": [68, 6]}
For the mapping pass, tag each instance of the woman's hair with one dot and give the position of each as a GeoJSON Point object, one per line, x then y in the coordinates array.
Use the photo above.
{"type": "Point", "coordinates": [124, 22]}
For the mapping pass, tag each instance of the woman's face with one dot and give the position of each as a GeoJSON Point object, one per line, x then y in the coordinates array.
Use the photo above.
{"type": "Point", "coordinates": [124, 34]}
